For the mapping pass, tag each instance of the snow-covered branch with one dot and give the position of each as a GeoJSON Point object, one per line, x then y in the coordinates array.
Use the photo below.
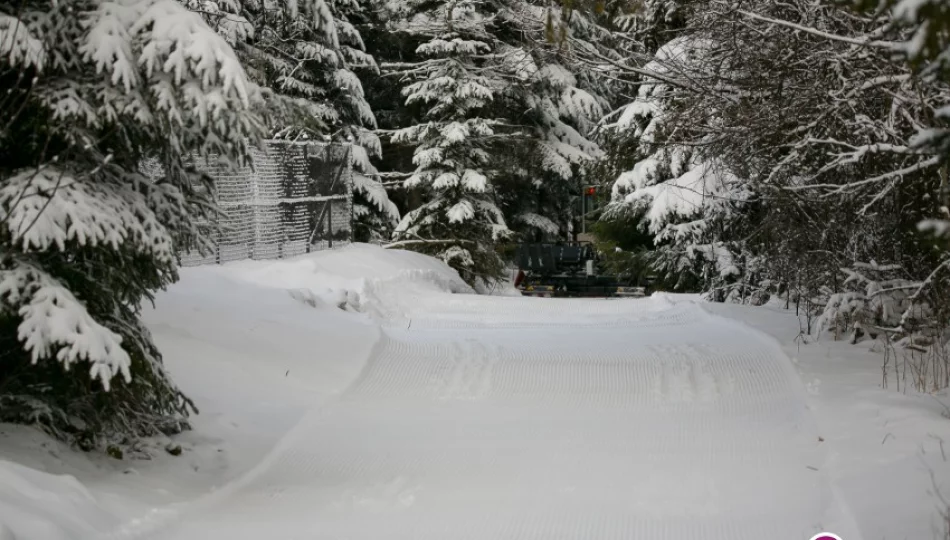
{"type": "Point", "coordinates": [55, 324]}
{"type": "Point", "coordinates": [850, 186]}
{"type": "Point", "coordinates": [446, 241]}
{"type": "Point", "coordinates": [862, 42]}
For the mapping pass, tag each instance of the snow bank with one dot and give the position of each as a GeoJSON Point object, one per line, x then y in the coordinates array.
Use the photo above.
{"type": "Point", "coordinates": [360, 277]}
{"type": "Point", "coordinates": [888, 451]}
{"type": "Point", "coordinates": [38, 505]}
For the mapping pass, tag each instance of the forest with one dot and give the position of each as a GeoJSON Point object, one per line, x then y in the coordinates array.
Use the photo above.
{"type": "Point", "coordinates": [748, 150]}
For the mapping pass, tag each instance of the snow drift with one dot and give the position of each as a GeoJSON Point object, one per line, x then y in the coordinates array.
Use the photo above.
{"type": "Point", "coordinates": [359, 277]}
{"type": "Point", "coordinates": [256, 344]}
{"type": "Point", "coordinates": [43, 506]}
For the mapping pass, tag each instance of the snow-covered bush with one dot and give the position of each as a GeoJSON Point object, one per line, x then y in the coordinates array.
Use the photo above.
{"type": "Point", "coordinates": [93, 89]}
{"type": "Point", "coordinates": [905, 316]}
{"type": "Point", "coordinates": [875, 298]}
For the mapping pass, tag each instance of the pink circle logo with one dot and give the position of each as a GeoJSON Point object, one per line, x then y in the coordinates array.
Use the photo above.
{"type": "Point", "coordinates": [826, 536]}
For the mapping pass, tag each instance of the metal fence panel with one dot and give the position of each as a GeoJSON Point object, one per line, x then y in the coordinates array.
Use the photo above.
{"type": "Point", "coordinates": [296, 198]}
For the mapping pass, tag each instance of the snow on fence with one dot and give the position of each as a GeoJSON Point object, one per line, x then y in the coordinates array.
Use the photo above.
{"type": "Point", "coordinates": [294, 199]}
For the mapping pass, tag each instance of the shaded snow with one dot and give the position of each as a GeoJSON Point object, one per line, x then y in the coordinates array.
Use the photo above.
{"type": "Point", "coordinates": [37, 505]}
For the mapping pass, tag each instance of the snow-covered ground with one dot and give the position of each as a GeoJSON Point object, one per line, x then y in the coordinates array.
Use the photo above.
{"type": "Point", "coordinates": [365, 393]}
{"type": "Point", "coordinates": [888, 451]}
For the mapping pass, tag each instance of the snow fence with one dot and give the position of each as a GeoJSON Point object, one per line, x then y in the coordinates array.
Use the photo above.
{"type": "Point", "coordinates": [295, 198]}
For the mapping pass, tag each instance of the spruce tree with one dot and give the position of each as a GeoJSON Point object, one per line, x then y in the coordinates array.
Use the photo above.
{"type": "Point", "coordinates": [94, 90]}
{"type": "Point", "coordinates": [459, 220]}
{"type": "Point", "coordinates": [522, 110]}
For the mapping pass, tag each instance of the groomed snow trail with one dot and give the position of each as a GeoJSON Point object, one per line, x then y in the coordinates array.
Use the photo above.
{"type": "Point", "coordinates": [509, 418]}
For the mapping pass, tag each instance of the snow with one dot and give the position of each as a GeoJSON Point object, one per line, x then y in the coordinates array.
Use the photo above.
{"type": "Point", "coordinates": [474, 181]}
{"type": "Point", "coordinates": [55, 321]}
{"type": "Point", "coordinates": [52, 507]}
{"type": "Point", "coordinates": [937, 227]}
{"type": "Point", "coordinates": [485, 396]}
{"type": "Point", "coordinates": [445, 180]}
{"type": "Point", "coordinates": [886, 449]}
{"type": "Point", "coordinates": [642, 174]}
{"type": "Point", "coordinates": [539, 222]}
{"type": "Point", "coordinates": [234, 28]}
{"type": "Point", "coordinates": [460, 212]}
{"type": "Point", "coordinates": [428, 157]}
{"type": "Point", "coordinates": [557, 75]}
{"type": "Point", "coordinates": [578, 105]}
{"type": "Point", "coordinates": [683, 196]}
{"type": "Point", "coordinates": [47, 208]}
{"type": "Point", "coordinates": [474, 91]}
{"type": "Point", "coordinates": [376, 195]}
{"type": "Point", "coordinates": [518, 61]}
{"type": "Point", "coordinates": [441, 47]}
{"type": "Point", "coordinates": [367, 274]}
{"type": "Point", "coordinates": [574, 146]}
{"type": "Point", "coordinates": [20, 47]}
{"type": "Point", "coordinates": [365, 179]}
{"type": "Point", "coordinates": [454, 132]}
{"type": "Point", "coordinates": [635, 112]}
{"type": "Point", "coordinates": [366, 393]}
{"type": "Point", "coordinates": [247, 342]}
{"type": "Point", "coordinates": [370, 143]}
{"type": "Point", "coordinates": [909, 12]}
{"type": "Point", "coordinates": [180, 43]}
{"type": "Point", "coordinates": [349, 82]}
{"type": "Point", "coordinates": [553, 161]}
{"type": "Point", "coordinates": [323, 21]}
{"type": "Point", "coordinates": [671, 183]}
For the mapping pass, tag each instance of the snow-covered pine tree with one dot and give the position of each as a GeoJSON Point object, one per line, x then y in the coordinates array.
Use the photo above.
{"type": "Point", "coordinates": [680, 196]}
{"type": "Point", "coordinates": [307, 56]}
{"type": "Point", "coordinates": [303, 55]}
{"type": "Point", "coordinates": [459, 220]}
{"type": "Point", "coordinates": [555, 102]}
{"type": "Point", "coordinates": [538, 108]}
{"type": "Point", "coordinates": [93, 89]}
{"type": "Point", "coordinates": [374, 215]}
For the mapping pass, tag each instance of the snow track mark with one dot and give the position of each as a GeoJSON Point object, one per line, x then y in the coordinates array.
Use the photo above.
{"type": "Point", "coordinates": [665, 424]}
{"type": "Point", "coordinates": [469, 372]}
{"type": "Point", "coordinates": [558, 319]}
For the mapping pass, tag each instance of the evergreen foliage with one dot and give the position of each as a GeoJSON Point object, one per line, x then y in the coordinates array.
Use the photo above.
{"type": "Point", "coordinates": [94, 89]}
{"type": "Point", "coordinates": [486, 94]}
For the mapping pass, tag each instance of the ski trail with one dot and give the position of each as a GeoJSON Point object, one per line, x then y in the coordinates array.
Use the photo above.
{"type": "Point", "coordinates": [536, 419]}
